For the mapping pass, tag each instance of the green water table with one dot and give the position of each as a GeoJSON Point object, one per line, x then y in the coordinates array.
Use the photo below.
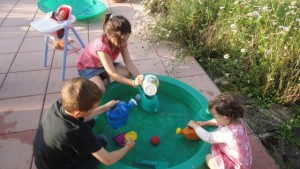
{"type": "Point", "coordinates": [178, 103]}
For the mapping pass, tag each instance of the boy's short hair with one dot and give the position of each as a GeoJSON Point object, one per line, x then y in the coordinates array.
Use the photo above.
{"type": "Point", "coordinates": [80, 94]}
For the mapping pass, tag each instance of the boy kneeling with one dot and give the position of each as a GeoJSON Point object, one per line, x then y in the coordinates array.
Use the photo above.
{"type": "Point", "coordinates": [64, 139]}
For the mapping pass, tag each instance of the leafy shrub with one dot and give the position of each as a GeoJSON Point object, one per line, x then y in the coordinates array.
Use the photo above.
{"type": "Point", "coordinates": [252, 43]}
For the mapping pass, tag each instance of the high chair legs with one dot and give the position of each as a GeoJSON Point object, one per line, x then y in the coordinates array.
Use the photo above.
{"type": "Point", "coordinates": [65, 50]}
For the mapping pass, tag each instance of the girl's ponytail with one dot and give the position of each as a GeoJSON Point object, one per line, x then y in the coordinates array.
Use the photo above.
{"type": "Point", "coordinates": [106, 18]}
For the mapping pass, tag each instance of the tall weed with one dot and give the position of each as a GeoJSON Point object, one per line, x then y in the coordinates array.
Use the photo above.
{"type": "Point", "coordinates": [253, 43]}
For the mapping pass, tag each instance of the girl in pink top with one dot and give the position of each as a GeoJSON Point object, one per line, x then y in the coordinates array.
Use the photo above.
{"type": "Point", "coordinates": [97, 61]}
{"type": "Point", "coordinates": [230, 144]}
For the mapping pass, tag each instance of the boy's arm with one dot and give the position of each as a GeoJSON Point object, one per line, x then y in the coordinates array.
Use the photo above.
{"type": "Point", "coordinates": [101, 109]}
{"type": "Point", "coordinates": [109, 158]}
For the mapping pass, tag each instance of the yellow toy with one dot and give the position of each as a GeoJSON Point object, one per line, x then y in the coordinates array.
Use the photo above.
{"type": "Point", "coordinates": [131, 135]}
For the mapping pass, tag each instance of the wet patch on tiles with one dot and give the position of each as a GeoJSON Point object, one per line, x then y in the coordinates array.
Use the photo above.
{"type": "Point", "coordinates": [4, 126]}
{"type": "Point", "coordinates": [23, 137]}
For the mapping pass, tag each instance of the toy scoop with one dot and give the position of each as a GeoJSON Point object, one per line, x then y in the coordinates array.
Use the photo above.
{"type": "Point", "coordinates": [188, 133]}
{"type": "Point", "coordinates": [158, 164]}
{"type": "Point", "coordinates": [131, 135]}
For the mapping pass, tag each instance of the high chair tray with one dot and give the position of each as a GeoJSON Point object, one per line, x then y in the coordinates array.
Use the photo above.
{"type": "Point", "coordinates": [48, 25]}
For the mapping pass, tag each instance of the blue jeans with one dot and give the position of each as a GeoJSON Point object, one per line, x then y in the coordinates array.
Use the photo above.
{"type": "Point", "coordinates": [91, 72]}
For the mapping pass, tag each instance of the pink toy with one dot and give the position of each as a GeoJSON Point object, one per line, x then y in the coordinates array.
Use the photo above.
{"type": "Point", "coordinates": [119, 139]}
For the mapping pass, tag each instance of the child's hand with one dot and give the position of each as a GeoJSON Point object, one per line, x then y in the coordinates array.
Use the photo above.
{"type": "Point", "coordinates": [192, 124]}
{"type": "Point", "coordinates": [201, 123]}
{"type": "Point", "coordinates": [111, 103]}
{"type": "Point", "coordinates": [139, 80]}
{"type": "Point", "coordinates": [130, 143]}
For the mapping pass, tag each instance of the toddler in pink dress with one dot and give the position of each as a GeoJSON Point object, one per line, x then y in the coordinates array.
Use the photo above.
{"type": "Point", "coordinates": [230, 144]}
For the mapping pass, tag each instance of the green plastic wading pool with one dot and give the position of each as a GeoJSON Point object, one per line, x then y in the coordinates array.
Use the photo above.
{"type": "Point", "coordinates": [81, 9]}
{"type": "Point", "coordinates": [178, 103]}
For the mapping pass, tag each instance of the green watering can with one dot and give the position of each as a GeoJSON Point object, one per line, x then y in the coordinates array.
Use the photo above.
{"type": "Point", "coordinates": [147, 91]}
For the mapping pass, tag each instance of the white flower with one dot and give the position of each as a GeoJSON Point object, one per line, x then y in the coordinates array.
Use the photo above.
{"type": "Point", "coordinates": [222, 7]}
{"type": "Point", "coordinates": [243, 50]}
{"type": "Point", "coordinates": [233, 26]}
{"type": "Point", "coordinates": [227, 74]}
{"type": "Point", "coordinates": [267, 52]}
{"type": "Point", "coordinates": [226, 56]}
{"type": "Point", "coordinates": [293, 3]}
{"type": "Point", "coordinates": [265, 8]}
{"type": "Point", "coordinates": [254, 14]}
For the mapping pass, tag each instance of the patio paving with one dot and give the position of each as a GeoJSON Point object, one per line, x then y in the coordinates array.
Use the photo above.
{"type": "Point", "coordinates": [27, 88]}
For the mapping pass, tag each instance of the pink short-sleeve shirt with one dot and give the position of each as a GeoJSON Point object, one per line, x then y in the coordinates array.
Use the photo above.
{"type": "Point", "coordinates": [89, 57]}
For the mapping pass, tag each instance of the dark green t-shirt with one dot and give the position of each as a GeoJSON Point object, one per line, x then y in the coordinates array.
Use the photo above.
{"type": "Point", "coordinates": [61, 139]}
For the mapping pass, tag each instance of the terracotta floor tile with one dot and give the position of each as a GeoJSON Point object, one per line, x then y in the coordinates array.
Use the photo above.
{"type": "Point", "coordinates": [20, 114]}
{"type": "Point", "coordinates": [16, 150]}
{"type": "Point", "coordinates": [94, 35]}
{"type": "Point", "coordinates": [82, 34]}
{"type": "Point", "coordinates": [164, 50]}
{"type": "Point", "coordinates": [24, 84]}
{"type": "Point", "coordinates": [188, 67]}
{"type": "Point", "coordinates": [33, 44]}
{"type": "Point", "coordinates": [9, 5]}
{"type": "Point", "coordinates": [120, 7]}
{"type": "Point", "coordinates": [10, 45]}
{"type": "Point", "coordinates": [6, 61]}
{"type": "Point", "coordinates": [153, 66]}
{"type": "Point", "coordinates": [23, 10]}
{"type": "Point", "coordinates": [71, 59]}
{"type": "Point", "coordinates": [203, 84]}
{"type": "Point", "coordinates": [135, 4]}
{"type": "Point", "coordinates": [33, 32]}
{"type": "Point", "coordinates": [17, 20]}
{"type": "Point", "coordinates": [33, 165]}
{"type": "Point", "coordinates": [50, 98]}
{"type": "Point", "coordinates": [13, 31]}
{"type": "Point", "coordinates": [142, 51]}
{"type": "Point", "coordinates": [55, 83]}
{"type": "Point", "coordinates": [29, 61]}
{"type": "Point", "coordinates": [2, 76]}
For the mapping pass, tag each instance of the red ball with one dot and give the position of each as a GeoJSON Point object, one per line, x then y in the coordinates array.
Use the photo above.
{"type": "Point", "coordinates": [155, 140]}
